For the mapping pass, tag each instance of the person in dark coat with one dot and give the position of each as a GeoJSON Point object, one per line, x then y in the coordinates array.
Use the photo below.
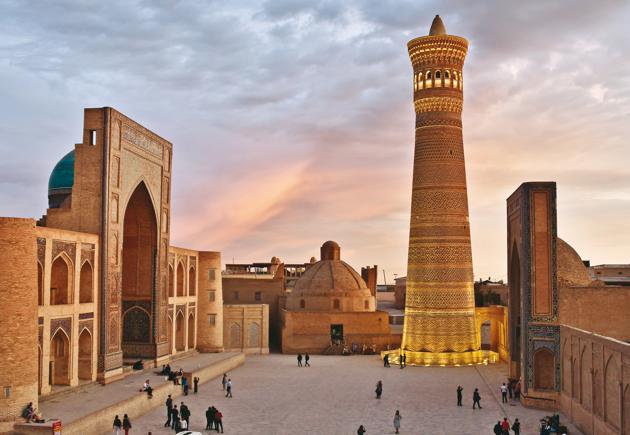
{"type": "Point", "coordinates": [169, 410]}
{"type": "Point", "coordinates": [126, 424]}
{"type": "Point", "coordinates": [361, 430]}
{"type": "Point", "coordinates": [476, 398]}
{"type": "Point", "coordinates": [516, 427]}
{"type": "Point", "coordinates": [306, 358]}
{"type": "Point", "coordinates": [497, 428]}
{"type": "Point", "coordinates": [195, 384]}
{"type": "Point", "coordinates": [210, 417]}
{"type": "Point", "coordinates": [459, 395]}
{"type": "Point", "coordinates": [386, 360]}
{"type": "Point", "coordinates": [379, 389]}
{"type": "Point", "coordinates": [175, 416]}
{"type": "Point", "coordinates": [218, 420]}
{"type": "Point", "coordinates": [184, 413]}
{"type": "Point", "coordinates": [299, 358]}
{"type": "Point", "coordinates": [117, 425]}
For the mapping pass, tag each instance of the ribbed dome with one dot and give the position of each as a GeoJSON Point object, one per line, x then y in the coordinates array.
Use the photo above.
{"type": "Point", "coordinates": [62, 175]}
{"type": "Point", "coordinates": [571, 269]}
{"type": "Point", "coordinates": [330, 276]}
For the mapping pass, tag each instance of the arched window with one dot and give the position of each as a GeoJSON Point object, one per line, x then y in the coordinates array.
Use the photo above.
{"type": "Point", "coordinates": [438, 75]}
{"type": "Point", "coordinates": [438, 78]}
{"type": "Point", "coordinates": [180, 279]}
{"type": "Point", "coordinates": [171, 280]}
{"type": "Point", "coordinates": [85, 288]}
{"type": "Point", "coordinates": [415, 82]}
{"type": "Point", "coordinates": [302, 303]}
{"type": "Point", "coordinates": [420, 81]}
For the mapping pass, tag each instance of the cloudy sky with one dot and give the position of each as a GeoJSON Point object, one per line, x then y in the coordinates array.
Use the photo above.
{"type": "Point", "coordinates": [292, 121]}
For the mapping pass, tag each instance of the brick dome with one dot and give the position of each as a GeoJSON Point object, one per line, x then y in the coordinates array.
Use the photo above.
{"type": "Point", "coordinates": [571, 270]}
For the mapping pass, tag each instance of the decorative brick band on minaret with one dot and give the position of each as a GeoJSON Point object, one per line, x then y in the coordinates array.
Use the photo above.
{"type": "Point", "coordinates": [440, 306]}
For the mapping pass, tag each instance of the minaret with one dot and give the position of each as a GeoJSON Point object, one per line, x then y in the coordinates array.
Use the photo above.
{"type": "Point", "coordinates": [440, 305]}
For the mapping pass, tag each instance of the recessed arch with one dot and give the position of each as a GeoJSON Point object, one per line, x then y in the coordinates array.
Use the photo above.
{"type": "Point", "coordinates": [180, 279]}
{"type": "Point", "coordinates": [40, 284]}
{"type": "Point", "coordinates": [86, 283]}
{"type": "Point", "coordinates": [85, 355]}
{"type": "Point", "coordinates": [61, 273]}
{"type": "Point", "coordinates": [611, 392]}
{"type": "Point", "coordinates": [192, 282]}
{"type": "Point", "coordinates": [514, 319]}
{"type": "Point", "coordinates": [139, 254]}
{"type": "Point", "coordinates": [180, 331]}
{"type": "Point", "coordinates": [59, 358]}
{"type": "Point", "coordinates": [544, 369]}
{"type": "Point", "coordinates": [171, 282]}
{"type": "Point", "coordinates": [169, 333]}
{"type": "Point", "coordinates": [191, 331]}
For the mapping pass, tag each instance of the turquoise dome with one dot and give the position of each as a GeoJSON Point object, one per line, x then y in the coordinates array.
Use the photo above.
{"type": "Point", "coordinates": [62, 176]}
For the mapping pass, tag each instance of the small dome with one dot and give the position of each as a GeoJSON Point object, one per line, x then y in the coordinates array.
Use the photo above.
{"type": "Point", "coordinates": [62, 175]}
{"type": "Point", "coordinates": [330, 276]}
{"type": "Point", "coordinates": [437, 27]}
{"type": "Point", "coordinates": [313, 260]}
{"type": "Point", "coordinates": [571, 269]}
{"type": "Point", "coordinates": [330, 251]}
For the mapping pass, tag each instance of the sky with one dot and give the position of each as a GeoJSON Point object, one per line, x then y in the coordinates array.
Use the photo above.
{"type": "Point", "coordinates": [292, 121]}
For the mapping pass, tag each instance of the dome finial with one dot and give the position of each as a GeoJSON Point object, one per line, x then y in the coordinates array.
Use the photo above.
{"type": "Point", "coordinates": [437, 27]}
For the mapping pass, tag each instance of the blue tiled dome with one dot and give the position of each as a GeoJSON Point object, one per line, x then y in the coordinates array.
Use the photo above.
{"type": "Point", "coordinates": [62, 176]}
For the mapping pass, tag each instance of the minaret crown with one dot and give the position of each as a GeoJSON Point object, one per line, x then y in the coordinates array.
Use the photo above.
{"type": "Point", "coordinates": [437, 27]}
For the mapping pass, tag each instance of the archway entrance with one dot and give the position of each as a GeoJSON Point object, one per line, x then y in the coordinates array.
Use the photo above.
{"type": "Point", "coordinates": [515, 313]}
{"type": "Point", "coordinates": [179, 332]}
{"type": "Point", "coordinates": [85, 355]}
{"type": "Point", "coordinates": [544, 369]}
{"type": "Point", "coordinates": [61, 281]}
{"type": "Point", "coordinates": [169, 334]}
{"type": "Point", "coordinates": [486, 337]}
{"type": "Point", "coordinates": [138, 272]}
{"type": "Point", "coordinates": [59, 359]}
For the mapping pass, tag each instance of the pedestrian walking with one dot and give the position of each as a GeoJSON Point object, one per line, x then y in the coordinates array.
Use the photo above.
{"type": "Point", "coordinates": [177, 424]}
{"type": "Point", "coordinates": [504, 392]}
{"type": "Point", "coordinates": [516, 427]}
{"type": "Point", "coordinates": [510, 386]}
{"type": "Point", "coordinates": [185, 385]}
{"type": "Point", "coordinates": [505, 426]}
{"type": "Point", "coordinates": [379, 389]}
{"type": "Point", "coordinates": [184, 413]}
{"type": "Point", "coordinates": [397, 418]}
{"type": "Point", "coordinates": [169, 410]}
{"type": "Point", "coordinates": [126, 424]}
{"type": "Point", "coordinates": [386, 360]}
{"type": "Point", "coordinates": [228, 386]}
{"type": "Point", "coordinates": [497, 428]}
{"type": "Point", "coordinates": [195, 384]}
{"type": "Point", "coordinates": [218, 421]}
{"type": "Point", "coordinates": [306, 358]}
{"type": "Point", "coordinates": [117, 425]}
{"type": "Point", "coordinates": [361, 430]}
{"type": "Point", "coordinates": [402, 360]}
{"type": "Point", "coordinates": [175, 414]}
{"type": "Point", "coordinates": [224, 380]}
{"type": "Point", "coordinates": [299, 358]}
{"type": "Point", "coordinates": [210, 417]}
{"type": "Point", "coordinates": [459, 395]}
{"type": "Point", "coordinates": [476, 398]}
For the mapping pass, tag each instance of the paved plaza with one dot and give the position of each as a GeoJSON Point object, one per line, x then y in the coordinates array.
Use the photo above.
{"type": "Point", "coordinates": [336, 394]}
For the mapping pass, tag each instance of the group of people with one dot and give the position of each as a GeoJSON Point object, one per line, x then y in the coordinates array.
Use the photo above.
{"type": "Point", "coordinates": [511, 389]}
{"type": "Point", "coordinates": [503, 427]}
{"type": "Point", "coordinates": [177, 419]}
{"type": "Point", "coordinates": [214, 419]}
{"type": "Point", "coordinates": [306, 359]}
{"type": "Point", "coordinates": [119, 426]}
{"type": "Point", "coordinates": [476, 397]}
{"type": "Point", "coordinates": [172, 375]}
{"type": "Point", "coordinates": [402, 360]}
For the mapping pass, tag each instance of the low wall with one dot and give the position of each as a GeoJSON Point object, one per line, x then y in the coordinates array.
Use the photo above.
{"type": "Point", "coordinates": [101, 420]}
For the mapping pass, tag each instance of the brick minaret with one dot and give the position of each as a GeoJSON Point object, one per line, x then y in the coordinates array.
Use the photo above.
{"type": "Point", "coordinates": [440, 306]}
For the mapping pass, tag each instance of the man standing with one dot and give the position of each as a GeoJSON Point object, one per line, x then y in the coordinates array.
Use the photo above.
{"type": "Point", "coordinates": [195, 384]}
{"type": "Point", "coordinates": [459, 395]}
{"type": "Point", "coordinates": [184, 412]}
{"type": "Point", "coordinates": [224, 380]}
{"type": "Point", "coordinates": [504, 392]}
{"type": "Point", "coordinates": [505, 426]}
{"type": "Point", "coordinates": [299, 358]}
{"type": "Point", "coordinates": [497, 428]}
{"type": "Point", "coordinates": [476, 398]}
{"type": "Point", "coordinates": [169, 411]}
{"type": "Point", "coordinates": [210, 417]}
{"type": "Point", "coordinates": [386, 360]}
{"type": "Point", "coordinates": [306, 358]}
{"type": "Point", "coordinates": [175, 416]}
{"type": "Point", "coordinates": [402, 360]}
{"type": "Point", "coordinates": [229, 388]}
{"type": "Point", "coordinates": [516, 427]}
{"type": "Point", "coordinates": [510, 386]}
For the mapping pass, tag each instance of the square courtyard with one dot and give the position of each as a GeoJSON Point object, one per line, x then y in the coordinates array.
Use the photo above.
{"type": "Point", "coordinates": [336, 395]}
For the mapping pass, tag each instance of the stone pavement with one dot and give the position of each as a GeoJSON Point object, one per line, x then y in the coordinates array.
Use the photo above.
{"type": "Point", "coordinates": [273, 396]}
{"type": "Point", "coordinates": [94, 397]}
